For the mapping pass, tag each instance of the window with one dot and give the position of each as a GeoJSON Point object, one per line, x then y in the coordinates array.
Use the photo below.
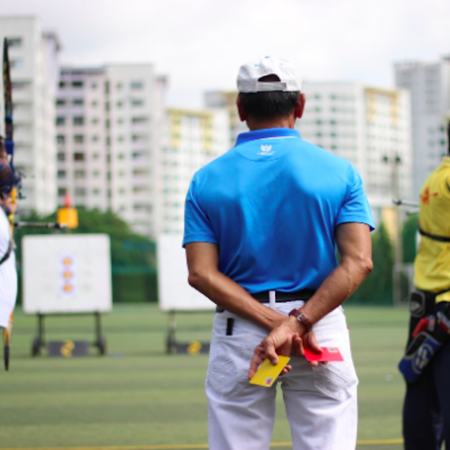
{"type": "Point", "coordinates": [62, 191]}
{"type": "Point", "coordinates": [137, 102]}
{"type": "Point", "coordinates": [119, 104]}
{"type": "Point", "coordinates": [78, 120]}
{"type": "Point", "coordinates": [94, 103]}
{"type": "Point", "coordinates": [16, 63]}
{"type": "Point", "coordinates": [61, 156]}
{"type": "Point", "coordinates": [61, 174]}
{"type": "Point", "coordinates": [96, 191]}
{"type": "Point", "coordinates": [94, 138]}
{"type": "Point", "coordinates": [96, 173]}
{"type": "Point", "coordinates": [119, 86]}
{"type": "Point", "coordinates": [60, 121]}
{"type": "Point", "coordinates": [20, 85]}
{"type": "Point", "coordinates": [80, 191]}
{"type": "Point", "coordinates": [96, 155]}
{"type": "Point", "coordinates": [78, 156]}
{"type": "Point", "coordinates": [79, 174]}
{"type": "Point", "coordinates": [139, 120]}
{"type": "Point", "coordinates": [15, 42]}
{"type": "Point", "coordinates": [60, 139]}
{"type": "Point", "coordinates": [94, 85]}
{"type": "Point", "coordinates": [95, 120]}
{"type": "Point", "coordinates": [62, 84]}
{"type": "Point", "coordinates": [77, 84]}
{"type": "Point", "coordinates": [78, 139]}
{"type": "Point", "coordinates": [136, 85]}
{"type": "Point", "coordinates": [78, 102]}
{"type": "Point", "coordinates": [60, 102]}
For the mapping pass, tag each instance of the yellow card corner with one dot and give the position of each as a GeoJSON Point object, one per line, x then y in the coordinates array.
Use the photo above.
{"type": "Point", "coordinates": [267, 373]}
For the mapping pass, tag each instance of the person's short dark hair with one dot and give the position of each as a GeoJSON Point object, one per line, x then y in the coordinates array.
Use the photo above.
{"type": "Point", "coordinates": [269, 105]}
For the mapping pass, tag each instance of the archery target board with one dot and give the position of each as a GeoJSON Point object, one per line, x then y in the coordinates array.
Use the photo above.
{"type": "Point", "coordinates": [175, 293]}
{"type": "Point", "coordinates": [66, 274]}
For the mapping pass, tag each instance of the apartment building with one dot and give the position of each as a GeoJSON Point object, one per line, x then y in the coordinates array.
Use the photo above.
{"type": "Point", "coordinates": [429, 86]}
{"type": "Point", "coordinates": [367, 125]}
{"type": "Point", "coordinates": [33, 57]}
{"type": "Point", "coordinates": [192, 139]}
{"type": "Point", "coordinates": [109, 124]}
{"type": "Point", "coordinates": [227, 100]}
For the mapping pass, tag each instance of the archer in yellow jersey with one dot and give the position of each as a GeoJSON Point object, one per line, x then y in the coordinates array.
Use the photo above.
{"type": "Point", "coordinates": [432, 264]}
{"type": "Point", "coordinates": [426, 411]}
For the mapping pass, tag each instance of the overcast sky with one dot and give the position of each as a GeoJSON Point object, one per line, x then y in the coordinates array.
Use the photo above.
{"type": "Point", "coordinates": [199, 44]}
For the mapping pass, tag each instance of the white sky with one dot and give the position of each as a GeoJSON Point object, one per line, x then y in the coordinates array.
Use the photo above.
{"type": "Point", "coordinates": [200, 44]}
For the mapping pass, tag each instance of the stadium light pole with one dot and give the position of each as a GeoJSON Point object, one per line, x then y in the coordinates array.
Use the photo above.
{"type": "Point", "coordinates": [395, 161]}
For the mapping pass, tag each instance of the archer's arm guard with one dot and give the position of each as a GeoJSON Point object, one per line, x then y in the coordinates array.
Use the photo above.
{"type": "Point", "coordinates": [430, 334]}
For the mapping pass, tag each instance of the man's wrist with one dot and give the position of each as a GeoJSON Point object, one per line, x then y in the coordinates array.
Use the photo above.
{"type": "Point", "coordinates": [301, 318]}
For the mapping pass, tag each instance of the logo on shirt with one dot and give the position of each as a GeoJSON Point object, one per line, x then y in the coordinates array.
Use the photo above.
{"type": "Point", "coordinates": [265, 150]}
{"type": "Point", "coordinates": [426, 196]}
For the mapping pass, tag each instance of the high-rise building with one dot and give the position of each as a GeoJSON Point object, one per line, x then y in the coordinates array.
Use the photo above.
{"type": "Point", "coordinates": [370, 127]}
{"type": "Point", "coordinates": [227, 100]}
{"type": "Point", "coordinates": [193, 138]}
{"type": "Point", "coordinates": [33, 57]}
{"type": "Point", "coordinates": [429, 85]}
{"type": "Point", "coordinates": [367, 125]}
{"type": "Point", "coordinates": [109, 125]}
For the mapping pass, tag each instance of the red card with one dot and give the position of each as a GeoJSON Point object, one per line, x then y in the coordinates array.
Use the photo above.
{"type": "Point", "coordinates": [328, 354]}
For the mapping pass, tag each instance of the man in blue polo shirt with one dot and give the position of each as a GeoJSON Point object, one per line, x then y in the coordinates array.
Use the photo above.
{"type": "Point", "coordinates": [262, 224]}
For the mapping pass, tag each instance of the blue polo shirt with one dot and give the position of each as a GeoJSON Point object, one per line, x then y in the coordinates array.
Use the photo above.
{"type": "Point", "coordinates": [272, 204]}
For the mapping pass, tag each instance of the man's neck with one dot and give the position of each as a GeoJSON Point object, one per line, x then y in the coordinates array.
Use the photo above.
{"type": "Point", "coordinates": [285, 122]}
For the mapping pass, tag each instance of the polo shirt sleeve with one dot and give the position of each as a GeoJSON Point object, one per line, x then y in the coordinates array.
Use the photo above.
{"type": "Point", "coordinates": [197, 226]}
{"type": "Point", "coordinates": [355, 207]}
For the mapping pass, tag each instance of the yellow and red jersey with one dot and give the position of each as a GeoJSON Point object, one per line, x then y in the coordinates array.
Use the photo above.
{"type": "Point", "coordinates": [432, 264]}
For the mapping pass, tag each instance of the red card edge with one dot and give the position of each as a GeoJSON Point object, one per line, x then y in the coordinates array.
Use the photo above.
{"type": "Point", "coordinates": [326, 355]}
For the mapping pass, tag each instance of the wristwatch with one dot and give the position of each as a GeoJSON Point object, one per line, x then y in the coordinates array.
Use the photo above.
{"type": "Point", "coordinates": [302, 318]}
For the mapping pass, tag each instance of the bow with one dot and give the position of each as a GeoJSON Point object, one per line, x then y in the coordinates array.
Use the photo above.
{"type": "Point", "coordinates": [9, 128]}
{"type": "Point", "coordinates": [9, 147]}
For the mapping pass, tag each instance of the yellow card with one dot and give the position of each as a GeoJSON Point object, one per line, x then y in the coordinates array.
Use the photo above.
{"type": "Point", "coordinates": [268, 373]}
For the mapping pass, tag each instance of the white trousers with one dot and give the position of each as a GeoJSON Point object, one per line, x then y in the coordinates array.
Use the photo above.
{"type": "Point", "coordinates": [320, 402]}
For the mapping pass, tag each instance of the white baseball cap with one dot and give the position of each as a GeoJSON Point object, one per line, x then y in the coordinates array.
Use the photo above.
{"type": "Point", "coordinates": [251, 72]}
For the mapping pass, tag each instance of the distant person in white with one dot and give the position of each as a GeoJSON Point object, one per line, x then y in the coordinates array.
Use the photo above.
{"type": "Point", "coordinates": [8, 274]}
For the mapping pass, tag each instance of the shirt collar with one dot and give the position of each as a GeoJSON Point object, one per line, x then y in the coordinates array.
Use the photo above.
{"type": "Point", "coordinates": [267, 133]}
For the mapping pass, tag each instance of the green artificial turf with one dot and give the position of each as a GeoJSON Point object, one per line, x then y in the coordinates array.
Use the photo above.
{"type": "Point", "coordinates": [140, 396]}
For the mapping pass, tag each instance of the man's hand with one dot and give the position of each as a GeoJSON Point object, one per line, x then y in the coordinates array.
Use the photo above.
{"type": "Point", "coordinates": [10, 208]}
{"type": "Point", "coordinates": [285, 339]}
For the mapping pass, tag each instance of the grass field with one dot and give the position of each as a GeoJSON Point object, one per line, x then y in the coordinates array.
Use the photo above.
{"type": "Point", "coordinates": [140, 397]}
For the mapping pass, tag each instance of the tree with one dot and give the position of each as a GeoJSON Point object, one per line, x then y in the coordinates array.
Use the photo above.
{"type": "Point", "coordinates": [409, 238]}
{"type": "Point", "coordinates": [378, 286]}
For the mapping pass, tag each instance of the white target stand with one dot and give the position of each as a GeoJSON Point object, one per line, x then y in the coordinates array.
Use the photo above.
{"type": "Point", "coordinates": [67, 274]}
{"type": "Point", "coordinates": [175, 293]}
